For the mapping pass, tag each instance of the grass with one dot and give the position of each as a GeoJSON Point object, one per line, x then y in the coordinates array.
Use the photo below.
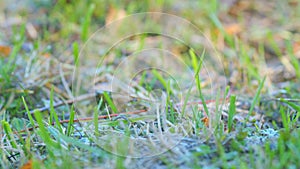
{"type": "Point", "coordinates": [244, 117]}
{"type": "Point", "coordinates": [231, 112]}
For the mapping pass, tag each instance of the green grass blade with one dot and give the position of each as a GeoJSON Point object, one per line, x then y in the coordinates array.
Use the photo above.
{"type": "Point", "coordinates": [160, 78]}
{"type": "Point", "coordinates": [194, 59]}
{"type": "Point", "coordinates": [74, 142]}
{"type": "Point", "coordinates": [76, 53]}
{"type": "Point", "coordinates": [87, 22]}
{"type": "Point", "coordinates": [28, 113]}
{"type": "Point", "coordinates": [110, 102]}
{"type": "Point", "coordinates": [71, 121]}
{"type": "Point", "coordinates": [9, 134]}
{"type": "Point", "coordinates": [43, 133]}
{"type": "Point", "coordinates": [293, 58]}
{"type": "Point", "coordinates": [186, 100]}
{"type": "Point", "coordinates": [53, 114]}
{"type": "Point", "coordinates": [284, 118]}
{"type": "Point", "coordinates": [96, 114]}
{"type": "Point", "coordinates": [293, 105]}
{"type": "Point", "coordinates": [232, 111]}
{"type": "Point", "coordinates": [198, 83]}
{"type": "Point", "coordinates": [256, 97]}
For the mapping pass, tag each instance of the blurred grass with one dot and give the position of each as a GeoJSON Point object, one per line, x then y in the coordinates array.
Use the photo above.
{"type": "Point", "coordinates": [267, 36]}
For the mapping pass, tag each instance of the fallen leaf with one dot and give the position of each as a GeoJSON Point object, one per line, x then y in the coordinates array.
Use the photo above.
{"type": "Point", "coordinates": [296, 46]}
{"type": "Point", "coordinates": [205, 120]}
{"type": "Point", "coordinates": [27, 165]}
{"type": "Point", "coordinates": [114, 14]}
{"type": "Point", "coordinates": [296, 49]}
{"type": "Point", "coordinates": [46, 55]}
{"type": "Point", "coordinates": [233, 29]}
{"type": "Point", "coordinates": [239, 6]}
{"type": "Point", "coordinates": [5, 50]}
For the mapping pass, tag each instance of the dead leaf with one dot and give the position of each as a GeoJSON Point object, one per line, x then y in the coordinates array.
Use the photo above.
{"type": "Point", "coordinates": [233, 29]}
{"type": "Point", "coordinates": [296, 49]}
{"type": "Point", "coordinates": [27, 165]}
{"type": "Point", "coordinates": [46, 55]}
{"type": "Point", "coordinates": [239, 6]}
{"type": "Point", "coordinates": [5, 50]}
{"type": "Point", "coordinates": [205, 120]}
{"type": "Point", "coordinates": [114, 14]}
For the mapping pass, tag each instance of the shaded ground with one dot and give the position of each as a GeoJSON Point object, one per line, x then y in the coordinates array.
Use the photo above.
{"type": "Point", "coordinates": [47, 64]}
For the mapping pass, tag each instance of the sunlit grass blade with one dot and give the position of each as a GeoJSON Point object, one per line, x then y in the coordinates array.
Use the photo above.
{"type": "Point", "coordinates": [53, 114]}
{"type": "Point", "coordinates": [160, 78]}
{"type": "Point", "coordinates": [284, 118]}
{"type": "Point", "coordinates": [256, 97]}
{"type": "Point", "coordinates": [293, 59]}
{"type": "Point", "coordinates": [257, 94]}
{"type": "Point", "coordinates": [198, 83]}
{"type": "Point", "coordinates": [43, 133]}
{"type": "Point", "coordinates": [28, 113]}
{"type": "Point", "coordinates": [71, 121]}
{"type": "Point", "coordinates": [169, 105]}
{"type": "Point", "coordinates": [110, 102]}
{"type": "Point", "coordinates": [9, 133]}
{"type": "Point", "coordinates": [75, 142]}
{"type": "Point", "coordinates": [96, 114]}
{"type": "Point", "coordinates": [76, 53]}
{"type": "Point", "coordinates": [194, 59]}
{"type": "Point", "coordinates": [87, 22]}
{"type": "Point", "coordinates": [232, 111]}
{"type": "Point", "coordinates": [186, 100]}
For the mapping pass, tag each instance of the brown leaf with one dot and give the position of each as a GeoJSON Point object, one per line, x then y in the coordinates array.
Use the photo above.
{"type": "Point", "coordinates": [296, 49]}
{"type": "Point", "coordinates": [27, 165]}
{"type": "Point", "coordinates": [114, 14]}
{"type": "Point", "coordinates": [46, 55]}
{"type": "Point", "coordinates": [233, 29]}
{"type": "Point", "coordinates": [205, 120]}
{"type": "Point", "coordinates": [5, 50]}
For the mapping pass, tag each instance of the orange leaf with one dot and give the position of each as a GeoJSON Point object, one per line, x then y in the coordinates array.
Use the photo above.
{"type": "Point", "coordinates": [46, 55]}
{"type": "Point", "coordinates": [5, 50]}
{"type": "Point", "coordinates": [233, 29]}
{"type": "Point", "coordinates": [114, 14]}
{"type": "Point", "coordinates": [27, 165]}
{"type": "Point", "coordinates": [296, 47]}
{"type": "Point", "coordinates": [205, 120]}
